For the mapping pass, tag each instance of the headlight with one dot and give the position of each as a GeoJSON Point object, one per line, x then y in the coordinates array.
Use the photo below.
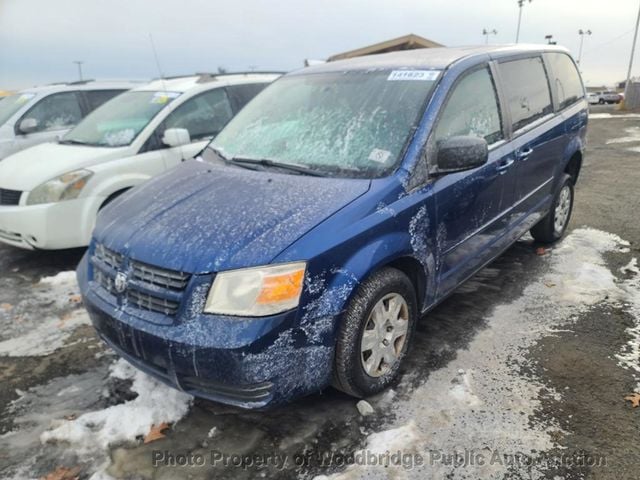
{"type": "Point", "coordinates": [256, 292]}
{"type": "Point", "coordinates": [64, 187]}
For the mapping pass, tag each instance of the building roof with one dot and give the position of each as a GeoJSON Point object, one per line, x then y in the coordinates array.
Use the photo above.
{"type": "Point", "coordinates": [425, 58]}
{"type": "Point", "coordinates": [407, 42]}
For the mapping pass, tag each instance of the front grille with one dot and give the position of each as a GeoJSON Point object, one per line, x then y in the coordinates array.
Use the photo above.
{"type": "Point", "coordinates": [111, 258]}
{"type": "Point", "coordinates": [150, 288]}
{"type": "Point", "coordinates": [9, 197]}
{"type": "Point", "coordinates": [152, 303]}
{"type": "Point", "coordinates": [159, 276]}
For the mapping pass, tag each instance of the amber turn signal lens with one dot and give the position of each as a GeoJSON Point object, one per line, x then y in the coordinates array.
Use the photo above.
{"type": "Point", "coordinates": [278, 288]}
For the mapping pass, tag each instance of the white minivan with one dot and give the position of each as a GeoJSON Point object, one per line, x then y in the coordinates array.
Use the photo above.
{"type": "Point", "coordinates": [43, 114]}
{"type": "Point", "coordinates": [50, 194]}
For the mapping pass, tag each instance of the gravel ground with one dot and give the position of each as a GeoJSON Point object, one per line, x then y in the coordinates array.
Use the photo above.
{"type": "Point", "coordinates": [522, 364]}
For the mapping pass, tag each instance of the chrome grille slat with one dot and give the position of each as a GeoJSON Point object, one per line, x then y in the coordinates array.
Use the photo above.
{"type": "Point", "coordinates": [149, 302]}
{"type": "Point", "coordinates": [159, 277]}
{"type": "Point", "coordinates": [145, 276]}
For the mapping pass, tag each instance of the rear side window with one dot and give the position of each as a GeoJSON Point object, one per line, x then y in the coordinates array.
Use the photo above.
{"type": "Point", "coordinates": [567, 79]}
{"type": "Point", "coordinates": [241, 94]}
{"type": "Point", "coordinates": [527, 90]}
{"type": "Point", "coordinates": [95, 98]}
{"type": "Point", "coordinates": [55, 112]}
{"type": "Point", "coordinates": [472, 109]}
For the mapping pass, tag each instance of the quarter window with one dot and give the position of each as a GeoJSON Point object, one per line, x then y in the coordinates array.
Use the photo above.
{"type": "Point", "coordinates": [527, 90]}
{"type": "Point", "coordinates": [245, 92]}
{"type": "Point", "coordinates": [567, 79]}
{"type": "Point", "coordinates": [98, 97]}
{"type": "Point", "coordinates": [472, 109]}
{"type": "Point", "coordinates": [56, 112]}
{"type": "Point", "coordinates": [203, 116]}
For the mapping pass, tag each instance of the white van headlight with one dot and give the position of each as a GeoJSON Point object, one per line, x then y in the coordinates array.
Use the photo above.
{"type": "Point", "coordinates": [64, 187]}
{"type": "Point", "coordinates": [256, 292]}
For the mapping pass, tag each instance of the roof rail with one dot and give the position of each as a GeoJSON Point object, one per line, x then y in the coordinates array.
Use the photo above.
{"type": "Point", "coordinates": [214, 75]}
{"type": "Point", "coordinates": [81, 82]}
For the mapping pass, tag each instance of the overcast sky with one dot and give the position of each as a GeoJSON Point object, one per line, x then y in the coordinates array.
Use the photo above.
{"type": "Point", "coordinates": [39, 39]}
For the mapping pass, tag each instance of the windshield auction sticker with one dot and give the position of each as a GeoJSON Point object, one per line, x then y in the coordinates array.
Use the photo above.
{"type": "Point", "coordinates": [163, 97]}
{"type": "Point", "coordinates": [423, 75]}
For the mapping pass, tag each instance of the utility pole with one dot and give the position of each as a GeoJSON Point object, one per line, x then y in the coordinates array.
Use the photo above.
{"type": "Point", "coordinates": [79, 63]}
{"type": "Point", "coordinates": [582, 33]}
{"type": "Point", "coordinates": [486, 34]}
{"type": "Point", "coordinates": [633, 51]}
{"type": "Point", "coordinates": [520, 5]}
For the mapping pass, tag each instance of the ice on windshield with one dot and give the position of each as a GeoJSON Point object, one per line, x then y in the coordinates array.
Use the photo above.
{"type": "Point", "coordinates": [355, 121]}
{"type": "Point", "coordinates": [119, 121]}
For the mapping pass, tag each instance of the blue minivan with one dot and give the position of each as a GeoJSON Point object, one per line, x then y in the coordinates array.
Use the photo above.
{"type": "Point", "coordinates": [300, 248]}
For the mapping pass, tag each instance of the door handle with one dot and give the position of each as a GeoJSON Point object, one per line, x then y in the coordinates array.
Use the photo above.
{"type": "Point", "coordinates": [503, 167]}
{"type": "Point", "coordinates": [524, 153]}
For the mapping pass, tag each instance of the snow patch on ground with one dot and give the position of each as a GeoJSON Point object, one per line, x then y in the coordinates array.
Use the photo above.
{"type": "Point", "coordinates": [26, 333]}
{"type": "Point", "coordinates": [629, 357]}
{"type": "Point", "coordinates": [47, 337]}
{"type": "Point", "coordinates": [600, 116]}
{"type": "Point", "coordinates": [633, 135]}
{"type": "Point", "coordinates": [155, 403]}
{"type": "Point", "coordinates": [481, 402]}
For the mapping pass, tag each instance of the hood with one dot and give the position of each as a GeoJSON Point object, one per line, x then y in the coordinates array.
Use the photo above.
{"type": "Point", "coordinates": [33, 166]}
{"type": "Point", "coordinates": [202, 218]}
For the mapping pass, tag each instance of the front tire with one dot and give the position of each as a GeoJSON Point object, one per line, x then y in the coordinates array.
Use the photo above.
{"type": "Point", "coordinates": [551, 228]}
{"type": "Point", "coordinates": [375, 334]}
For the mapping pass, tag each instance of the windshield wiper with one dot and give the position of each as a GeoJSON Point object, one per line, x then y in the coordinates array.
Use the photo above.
{"type": "Point", "coordinates": [72, 142]}
{"type": "Point", "coordinates": [266, 162]}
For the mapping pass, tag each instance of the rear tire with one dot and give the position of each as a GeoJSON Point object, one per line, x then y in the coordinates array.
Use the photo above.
{"type": "Point", "coordinates": [375, 334]}
{"type": "Point", "coordinates": [553, 225]}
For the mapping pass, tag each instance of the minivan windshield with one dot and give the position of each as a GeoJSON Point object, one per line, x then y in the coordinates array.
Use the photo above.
{"type": "Point", "coordinates": [12, 103]}
{"type": "Point", "coordinates": [352, 124]}
{"type": "Point", "coordinates": [119, 121]}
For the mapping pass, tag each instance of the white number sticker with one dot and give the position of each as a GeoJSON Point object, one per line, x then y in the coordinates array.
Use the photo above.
{"type": "Point", "coordinates": [379, 156]}
{"type": "Point", "coordinates": [421, 75]}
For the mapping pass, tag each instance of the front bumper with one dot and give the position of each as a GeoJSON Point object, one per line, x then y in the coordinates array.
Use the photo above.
{"type": "Point", "coordinates": [246, 362]}
{"type": "Point", "coordinates": [48, 226]}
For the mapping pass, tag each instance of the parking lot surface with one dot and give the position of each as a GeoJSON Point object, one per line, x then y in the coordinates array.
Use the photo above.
{"type": "Point", "coordinates": [522, 373]}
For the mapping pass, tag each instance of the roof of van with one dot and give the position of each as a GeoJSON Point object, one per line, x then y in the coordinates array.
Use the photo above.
{"type": "Point", "coordinates": [83, 85]}
{"type": "Point", "coordinates": [184, 83]}
{"type": "Point", "coordinates": [430, 58]}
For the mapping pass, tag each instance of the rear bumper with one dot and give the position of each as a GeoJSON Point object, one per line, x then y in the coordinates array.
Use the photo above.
{"type": "Point", "coordinates": [250, 363]}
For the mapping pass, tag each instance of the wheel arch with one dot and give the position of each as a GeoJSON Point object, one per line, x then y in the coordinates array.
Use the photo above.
{"type": "Point", "coordinates": [338, 290]}
{"type": "Point", "coordinates": [574, 165]}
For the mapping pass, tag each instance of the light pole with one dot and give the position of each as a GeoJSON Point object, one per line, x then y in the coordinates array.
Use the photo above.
{"type": "Point", "coordinates": [79, 63]}
{"type": "Point", "coordinates": [520, 5]}
{"type": "Point", "coordinates": [582, 33]}
{"type": "Point", "coordinates": [633, 51]}
{"type": "Point", "coordinates": [486, 34]}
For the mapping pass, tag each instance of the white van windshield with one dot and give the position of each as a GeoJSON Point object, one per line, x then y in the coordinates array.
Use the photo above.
{"type": "Point", "coordinates": [353, 124]}
{"type": "Point", "coordinates": [119, 121]}
{"type": "Point", "coordinates": [11, 104]}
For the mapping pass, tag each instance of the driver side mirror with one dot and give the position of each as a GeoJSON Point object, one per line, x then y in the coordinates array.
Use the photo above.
{"type": "Point", "coordinates": [456, 154]}
{"type": "Point", "coordinates": [28, 125]}
{"type": "Point", "coordinates": [176, 137]}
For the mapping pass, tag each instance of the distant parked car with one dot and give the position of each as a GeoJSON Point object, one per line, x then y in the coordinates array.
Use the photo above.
{"type": "Point", "coordinates": [42, 114]}
{"type": "Point", "coordinates": [604, 97]}
{"type": "Point", "coordinates": [340, 205]}
{"type": "Point", "coordinates": [50, 194]}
